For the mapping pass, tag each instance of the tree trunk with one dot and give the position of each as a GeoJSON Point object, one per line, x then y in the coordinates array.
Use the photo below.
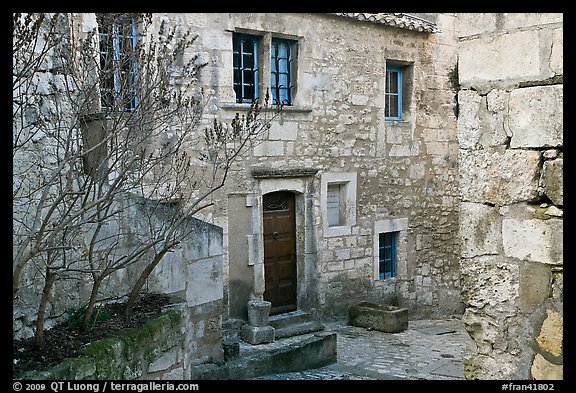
{"type": "Point", "coordinates": [141, 280]}
{"type": "Point", "coordinates": [90, 309]}
{"type": "Point", "coordinates": [20, 264]}
{"type": "Point", "coordinates": [41, 315]}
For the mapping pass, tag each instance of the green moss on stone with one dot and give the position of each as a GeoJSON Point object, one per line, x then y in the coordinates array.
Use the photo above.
{"type": "Point", "coordinates": [175, 316]}
{"type": "Point", "coordinates": [82, 367]}
{"type": "Point", "coordinates": [135, 339]}
{"type": "Point", "coordinates": [158, 327]}
{"type": "Point", "coordinates": [38, 375]}
{"type": "Point", "coordinates": [108, 354]}
{"type": "Point", "coordinates": [119, 357]}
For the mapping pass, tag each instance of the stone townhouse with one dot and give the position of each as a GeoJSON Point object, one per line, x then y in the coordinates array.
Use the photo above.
{"type": "Point", "coordinates": [354, 193]}
{"type": "Point", "coordinates": [404, 168]}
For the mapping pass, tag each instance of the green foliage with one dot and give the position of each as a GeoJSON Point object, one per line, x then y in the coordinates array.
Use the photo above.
{"type": "Point", "coordinates": [453, 78]}
{"type": "Point", "coordinates": [76, 315]}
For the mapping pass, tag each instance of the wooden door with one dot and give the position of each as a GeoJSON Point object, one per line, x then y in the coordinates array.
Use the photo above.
{"type": "Point", "coordinates": [280, 251]}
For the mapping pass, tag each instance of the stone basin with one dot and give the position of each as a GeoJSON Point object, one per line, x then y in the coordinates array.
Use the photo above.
{"type": "Point", "coordinates": [378, 316]}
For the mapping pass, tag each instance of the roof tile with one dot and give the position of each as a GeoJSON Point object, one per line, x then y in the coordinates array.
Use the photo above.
{"type": "Point", "coordinates": [402, 21]}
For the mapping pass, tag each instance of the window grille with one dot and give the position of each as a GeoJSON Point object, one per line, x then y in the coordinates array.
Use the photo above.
{"type": "Point", "coordinates": [118, 62]}
{"type": "Point", "coordinates": [387, 255]}
{"type": "Point", "coordinates": [245, 66]}
{"type": "Point", "coordinates": [281, 83]}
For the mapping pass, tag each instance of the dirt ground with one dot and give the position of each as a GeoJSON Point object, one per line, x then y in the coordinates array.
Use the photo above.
{"type": "Point", "coordinates": [63, 342]}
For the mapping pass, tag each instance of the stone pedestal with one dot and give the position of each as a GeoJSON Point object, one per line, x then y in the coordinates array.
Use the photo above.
{"type": "Point", "coordinates": [258, 312]}
{"type": "Point", "coordinates": [257, 334]}
{"type": "Point", "coordinates": [257, 331]}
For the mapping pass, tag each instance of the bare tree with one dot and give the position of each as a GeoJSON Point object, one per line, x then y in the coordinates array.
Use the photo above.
{"type": "Point", "coordinates": [106, 122]}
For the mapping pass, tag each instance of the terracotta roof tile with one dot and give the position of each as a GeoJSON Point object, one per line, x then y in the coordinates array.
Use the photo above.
{"type": "Point", "coordinates": [402, 21]}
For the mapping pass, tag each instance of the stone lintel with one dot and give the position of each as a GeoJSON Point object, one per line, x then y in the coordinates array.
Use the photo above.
{"type": "Point", "coordinates": [264, 173]}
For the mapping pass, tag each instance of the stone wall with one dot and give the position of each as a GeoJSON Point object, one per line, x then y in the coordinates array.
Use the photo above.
{"type": "Point", "coordinates": [510, 129]}
{"type": "Point", "coordinates": [153, 351]}
{"type": "Point", "coordinates": [164, 348]}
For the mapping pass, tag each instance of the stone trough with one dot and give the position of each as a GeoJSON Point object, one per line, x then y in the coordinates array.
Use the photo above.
{"type": "Point", "coordinates": [377, 316]}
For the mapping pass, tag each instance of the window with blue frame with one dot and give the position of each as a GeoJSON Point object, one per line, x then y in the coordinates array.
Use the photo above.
{"type": "Point", "coordinates": [393, 95]}
{"type": "Point", "coordinates": [245, 66]}
{"type": "Point", "coordinates": [387, 255]}
{"type": "Point", "coordinates": [281, 83]}
{"type": "Point", "coordinates": [117, 35]}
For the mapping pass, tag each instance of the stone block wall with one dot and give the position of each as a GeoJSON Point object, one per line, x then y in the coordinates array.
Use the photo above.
{"type": "Point", "coordinates": [510, 129]}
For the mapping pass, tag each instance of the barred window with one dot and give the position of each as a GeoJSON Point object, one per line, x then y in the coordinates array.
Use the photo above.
{"type": "Point", "coordinates": [245, 53]}
{"type": "Point", "coordinates": [118, 61]}
{"type": "Point", "coordinates": [281, 82]}
{"type": "Point", "coordinates": [387, 255]}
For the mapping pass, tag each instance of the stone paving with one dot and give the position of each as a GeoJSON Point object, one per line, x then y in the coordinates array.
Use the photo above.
{"type": "Point", "coordinates": [427, 350]}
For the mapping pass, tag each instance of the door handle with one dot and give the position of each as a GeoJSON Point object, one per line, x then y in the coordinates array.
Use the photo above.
{"type": "Point", "coordinates": [275, 235]}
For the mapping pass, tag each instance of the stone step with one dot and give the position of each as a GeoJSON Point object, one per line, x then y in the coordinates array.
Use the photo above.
{"type": "Point", "coordinates": [298, 329]}
{"type": "Point", "coordinates": [290, 355]}
{"type": "Point", "coordinates": [293, 324]}
{"type": "Point", "coordinates": [287, 319]}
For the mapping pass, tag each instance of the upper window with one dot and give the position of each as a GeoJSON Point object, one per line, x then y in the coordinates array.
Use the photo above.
{"type": "Point", "coordinates": [118, 61]}
{"type": "Point", "coordinates": [281, 82]}
{"type": "Point", "coordinates": [245, 52]}
{"type": "Point", "coordinates": [393, 95]}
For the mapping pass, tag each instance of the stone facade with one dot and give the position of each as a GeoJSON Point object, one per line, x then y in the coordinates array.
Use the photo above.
{"type": "Point", "coordinates": [510, 129]}
{"type": "Point", "coordinates": [403, 174]}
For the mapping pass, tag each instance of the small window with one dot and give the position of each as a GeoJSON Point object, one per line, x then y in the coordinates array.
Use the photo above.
{"type": "Point", "coordinates": [118, 61]}
{"type": "Point", "coordinates": [335, 204]}
{"type": "Point", "coordinates": [245, 65]}
{"type": "Point", "coordinates": [387, 255]}
{"type": "Point", "coordinates": [281, 83]}
{"type": "Point", "coordinates": [338, 203]}
{"type": "Point", "coordinates": [393, 94]}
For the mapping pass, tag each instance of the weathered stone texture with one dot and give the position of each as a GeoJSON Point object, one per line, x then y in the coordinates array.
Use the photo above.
{"type": "Point", "coordinates": [536, 117]}
{"type": "Point", "coordinates": [470, 24]}
{"type": "Point", "coordinates": [533, 240]}
{"type": "Point", "coordinates": [499, 177]}
{"type": "Point", "coordinates": [490, 284]}
{"type": "Point", "coordinates": [480, 230]}
{"type": "Point", "coordinates": [550, 338]}
{"type": "Point", "coordinates": [557, 55]}
{"type": "Point", "coordinates": [553, 180]}
{"type": "Point", "coordinates": [542, 369]}
{"type": "Point", "coordinates": [486, 367]}
{"type": "Point", "coordinates": [481, 120]}
{"type": "Point", "coordinates": [535, 279]}
{"type": "Point", "coordinates": [537, 20]}
{"type": "Point", "coordinates": [504, 129]}
{"type": "Point", "coordinates": [512, 56]}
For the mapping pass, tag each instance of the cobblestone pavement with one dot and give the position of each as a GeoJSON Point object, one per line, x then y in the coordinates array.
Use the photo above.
{"type": "Point", "coordinates": [427, 350]}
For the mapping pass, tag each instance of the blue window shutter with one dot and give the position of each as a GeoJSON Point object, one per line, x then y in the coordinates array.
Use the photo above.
{"type": "Point", "coordinates": [393, 94]}
{"type": "Point", "coordinates": [387, 255]}
{"type": "Point", "coordinates": [281, 83]}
